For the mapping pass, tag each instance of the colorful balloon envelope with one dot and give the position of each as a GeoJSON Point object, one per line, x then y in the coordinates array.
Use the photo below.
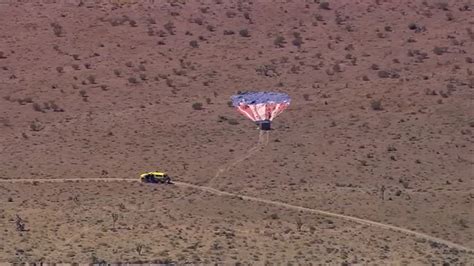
{"type": "Point", "coordinates": [261, 107]}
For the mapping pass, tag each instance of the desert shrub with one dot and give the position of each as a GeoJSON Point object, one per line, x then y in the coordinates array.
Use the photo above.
{"type": "Point", "coordinates": [376, 105]}
{"type": "Point", "coordinates": [60, 69]}
{"type": "Point", "coordinates": [412, 26]}
{"type": "Point", "coordinates": [198, 21]}
{"type": "Point", "coordinates": [229, 32]}
{"type": "Point", "coordinates": [443, 6]}
{"type": "Point", "coordinates": [430, 92]}
{"type": "Point", "coordinates": [179, 72]}
{"type": "Point", "coordinates": [440, 50]}
{"type": "Point", "coordinates": [139, 249]}
{"type": "Point", "coordinates": [5, 122]}
{"type": "Point", "coordinates": [133, 23]}
{"type": "Point", "coordinates": [170, 83]}
{"type": "Point", "coordinates": [169, 27]}
{"type": "Point", "coordinates": [469, 60]}
{"type": "Point", "coordinates": [211, 28]}
{"type": "Point", "coordinates": [117, 72]}
{"type": "Point", "coordinates": [404, 183]}
{"type": "Point", "coordinates": [449, 16]}
{"type": "Point", "coordinates": [197, 106]}
{"type": "Point", "coordinates": [230, 14]}
{"type": "Point", "coordinates": [97, 261]}
{"type": "Point", "coordinates": [299, 223]}
{"type": "Point", "coordinates": [143, 76]}
{"type": "Point", "coordinates": [324, 5]}
{"type": "Point", "coordinates": [338, 68]}
{"type": "Point", "coordinates": [194, 44]}
{"type": "Point", "coordinates": [470, 32]}
{"type": "Point", "coordinates": [53, 106]}
{"type": "Point", "coordinates": [306, 97]}
{"type": "Point", "coordinates": [75, 66]}
{"type": "Point", "coordinates": [297, 41]}
{"type": "Point", "coordinates": [20, 223]}
{"type": "Point", "coordinates": [91, 79]}
{"type": "Point", "coordinates": [244, 33]}
{"type": "Point", "coordinates": [47, 105]}
{"type": "Point", "coordinates": [37, 107]}
{"type": "Point", "coordinates": [279, 41]}
{"type": "Point", "coordinates": [150, 32]}
{"type": "Point", "coordinates": [208, 100]}
{"type": "Point", "coordinates": [463, 223]}
{"type": "Point", "coordinates": [57, 29]}
{"type": "Point", "coordinates": [115, 217]}
{"type": "Point", "coordinates": [232, 121]}
{"type": "Point", "coordinates": [132, 80]}
{"type": "Point", "coordinates": [36, 126]}
{"type": "Point", "coordinates": [374, 67]}
{"type": "Point", "coordinates": [267, 70]}
{"type": "Point", "coordinates": [274, 216]}
{"type": "Point", "coordinates": [416, 28]}
{"type": "Point", "coordinates": [119, 21]}
{"type": "Point", "coordinates": [383, 74]}
{"type": "Point", "coordinates": [25, 100]}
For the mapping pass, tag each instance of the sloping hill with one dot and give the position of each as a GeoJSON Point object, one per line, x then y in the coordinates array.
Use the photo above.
{"type": "Point", "coordinates": [380, 125]}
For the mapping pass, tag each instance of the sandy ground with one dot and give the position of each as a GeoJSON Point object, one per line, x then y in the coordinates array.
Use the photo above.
{"type": "Point", "coordinates": [380, 128]}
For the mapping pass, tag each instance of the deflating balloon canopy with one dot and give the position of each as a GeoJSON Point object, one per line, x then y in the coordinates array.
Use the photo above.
{"type": "Point", "coordinates": [261, 107]}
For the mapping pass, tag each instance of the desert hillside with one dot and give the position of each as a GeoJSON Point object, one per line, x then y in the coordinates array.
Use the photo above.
{"type": "Point", "coordinates": [380, 128]}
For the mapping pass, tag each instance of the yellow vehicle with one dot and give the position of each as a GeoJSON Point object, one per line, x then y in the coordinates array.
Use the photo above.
{"type": "Point", "coordinates": [155, 177]}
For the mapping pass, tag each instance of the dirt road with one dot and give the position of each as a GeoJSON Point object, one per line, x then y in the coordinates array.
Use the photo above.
{"type": "Point", "coordinates": [266, 201]}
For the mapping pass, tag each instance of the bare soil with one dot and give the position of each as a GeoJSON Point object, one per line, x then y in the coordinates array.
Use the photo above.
{"type": "Point", "coordinates": [380, 128]}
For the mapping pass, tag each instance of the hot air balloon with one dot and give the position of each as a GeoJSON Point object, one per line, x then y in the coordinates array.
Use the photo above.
{"type": "Point", "coordinates": [261, 107]}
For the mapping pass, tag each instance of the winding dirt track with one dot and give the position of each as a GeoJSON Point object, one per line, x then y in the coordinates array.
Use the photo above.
{"type": "Point", "coordinates": [266, 201]}
{"type": "Point", "coordinates": [263, 139]}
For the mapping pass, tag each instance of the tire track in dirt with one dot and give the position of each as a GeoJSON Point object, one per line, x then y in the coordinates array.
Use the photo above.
{"type": "Point", "coordinates": [263, 139]}
{"type": "Point", "coordinates": [326, 213]}
{"type": "Point", "coordinates": [266, 201]}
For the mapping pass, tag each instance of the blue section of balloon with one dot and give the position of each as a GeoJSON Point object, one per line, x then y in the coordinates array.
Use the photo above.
{"type": "Point", "coordinates": [260, 97]}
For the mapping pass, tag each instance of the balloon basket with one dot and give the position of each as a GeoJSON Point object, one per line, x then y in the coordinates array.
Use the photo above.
{"type": "Point", "coordinates": [265, 125]}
